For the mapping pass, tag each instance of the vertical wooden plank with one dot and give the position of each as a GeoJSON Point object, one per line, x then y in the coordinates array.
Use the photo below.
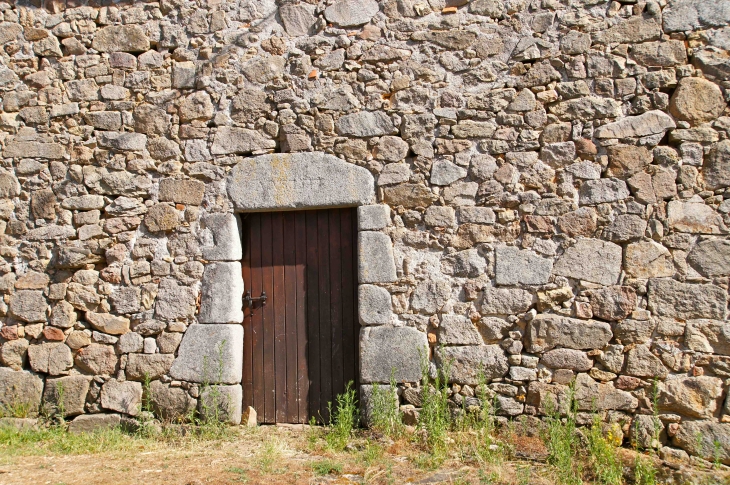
{"type": "Point", "coordinates": [267, 314]}
{"type": "Point", "coordinates": [313, 289]}
{"type": "Point", "coordinates": [257, 329]}
{"type": "Point", "coordinates": [335, 247]}
{"type": "Point", "coordinates": [302, 372]}
{"type": "Point", "coordinates": [279, 323]}
{"type": "Point", "coordinates": [290, 294]}
{"type": "Point", "coordinates": [247, 334]}
{"type": "Point", "coordinates": [350, 322]}
{"type": "Point", "coordinates": [325, 324]}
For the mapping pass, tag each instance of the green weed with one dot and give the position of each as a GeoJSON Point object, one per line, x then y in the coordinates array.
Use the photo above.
{"type": "Point", "coordinates": [240, 472]}
{"type": "Point", "coordinates": [384, 413]}
{"type": "Point", "coordinates": [434, 420]}
{"type": "Point", "coordinates": [644, 471]}
{"type": "Point", "coordinates": [326, 467]}
{"type": "Point", "coordinates": [343, 419]}
{"type": "Point", "coordinates": [268, 456]}
{"type": "Point", "coordinates": [562, 441]}
{"type": "Point", "coordinates": [604, 459]}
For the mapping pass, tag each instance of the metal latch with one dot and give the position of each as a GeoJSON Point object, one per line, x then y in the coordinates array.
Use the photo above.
{"type": "Point", "coordinates": [248, 300]}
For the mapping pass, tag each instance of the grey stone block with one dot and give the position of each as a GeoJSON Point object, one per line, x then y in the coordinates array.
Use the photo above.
{"type": "Point", "coordinates": [374, 305]}
{"type": "Point", "coordinates": [298, 180]}
{"type": "Point", "coordinates": [466, 362]}
{"type": "Point", "coordinates": [373, 217]}
{"type": "Point", "coordinates": [591, 260]}
{"type": "Point", "coordinates": [399, 350]}
{"type": "Point", "coordinates": [222, 403]}
{"type": "Point", "coordinates": [225, 230]}
{"type": "Point", "coordinates": [20, 387]}
{"type": "Point", "coordinates": [210, 353]}
{"type": "Point", "coordinates": [375, 258]}
{"type": "Point", "coordinates": [87, 423]}
{"type": "Point", "coordinates": [521, 267]}
{"type": "Point", "coordinates": [221, 294]}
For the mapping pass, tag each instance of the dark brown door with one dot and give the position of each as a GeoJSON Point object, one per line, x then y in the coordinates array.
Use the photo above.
{"type": "Point", "coordinates": [300, 347]}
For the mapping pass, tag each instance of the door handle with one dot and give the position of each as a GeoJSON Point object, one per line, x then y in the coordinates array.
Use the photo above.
{"type": "Point", "coordinates": [248, 300]}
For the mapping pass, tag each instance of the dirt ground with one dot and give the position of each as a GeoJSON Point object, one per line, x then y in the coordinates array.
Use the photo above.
{"type": "Point", "coordinates": [275, 455]}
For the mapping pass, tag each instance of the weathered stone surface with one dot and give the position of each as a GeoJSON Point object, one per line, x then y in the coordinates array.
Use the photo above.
{"type": "Point", "coordinates": [504, 301]}
{"type": "Point", "coordinates": [170, 403]}
{"type": "Point", "coordinates": [701, 438]}
{"type": "Point", "coordinates": [373, 217]}
{"type": "Point", "coordinates": [29, 306]}
{"type": "Point", "coordinates": [594, 396]}
{"type": "Point", "coordinates": [430, 295]}
{"type": "Point", "coordinates": [671, 298]}
{"type": "Point", "coordinates": [121, 38]}
{"type": "Point", "coordinates": [466, 362]}
{"type": "Point", "coordinates": [694, 216]}
{"type": "Point", "coordinates": [698, 397]}
{"type": "Point", "coordinates": [688, 15]}
{"type": "Point", "coordinates": [660, 54]}
{"type": "Point", "coordinates": [130, 343]}
{"type": "Point", "coordinates": [189, 192]}
{"type": "Point", "coordinates": [108, 323]}
{"type": "Point", "coordinates": [124, 397]}
{"type": "Point", "coordinates": [148, 366]}
{"type": "Point", "coordinates": [88, 423]}
{"type": "Point", "coordinates": [711, 336]}
{"type": "Point", "coordinates": [299, 180]}
{"type": "Point", "coordinates": [458, 330]}
{"type": "Point", "coordinates": [591, 260]}
{"type": "Point", "coordinates": [225, 230]}
{"type": "Point", "coordinates": [625, 228]}
{"type": "Point", "coordinates": [222, 403]}
{"type": "Point", "coordinates": [174, 301]}
{"type": "Point", "coordinates": [20, 388]}
{"type": "Point", "coordinates": [221, 293]}
{"type": "Point", "coordinates": [547, 331]}
{"type": "Point", "coordinates": [297, 19]}
{"type": "Point", "coordinates": [396, 350]}
{"type": "Point", "coordinates": [640, 362]}
{"type": "Point", "coordinates": [439, 216]}
{"type": "Point", "coordinates": [696, 100]}
{"type": "Point", "coordinates": [711, 257]}
{"type": "Point", "coordinates": [648, 259]}
{"type": "Point", "coordinates": [612, 357]}
{"type": "Point", "coordinates": [70, 390]}
{"type": "Point", "coordinates": [210, 353]}
{"type": "Point", "coordinates": [230, 140]}
{"type": "Point", "coordinates": [375, 258]}
{"type": "Point", "coordinates": [603, 191]}
{"type": "Point", "coordinates": [649, 123]}
{"type": "Point", "coordinates": [350, 13]}
{"type": "Point", "coordinates": [365, 124]}
{"type": "Point", "coordinates": [13, 353]}
{"type": "Point", "coordinates": [162, 217]}
{"type": "Point", "coordinates": [521, 267]}
{"type": "Point", "coordinates": [374, 305]}
{"type": "Point", "coordinates": [567, 359]}
{"type": "Point", "coordinates": [632, 331]}
{"type": "Point", "coordinates": [121, 141]}
{"type": "Point", "coordinates": [716, 171]}
{"type": "Point", "coordinates": [626, 160]}
{"type": "Point", "coordinates": [632, 30]}
{"type": "Point", "coordinates": [97, 359]}
{"type": "Point", "coordinates": [408, 195]}
{"type": "Point", "coordinates": [50, 358]}
{"type": "Point", "coordinates": [613, 303]}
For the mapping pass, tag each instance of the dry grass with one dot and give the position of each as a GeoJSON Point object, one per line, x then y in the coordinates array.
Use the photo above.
{"type": "Point", "coordinates": [273, 455]}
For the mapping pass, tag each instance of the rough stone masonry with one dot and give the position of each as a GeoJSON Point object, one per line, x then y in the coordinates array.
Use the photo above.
{"type": "Point", "coordinates": [543, 191]}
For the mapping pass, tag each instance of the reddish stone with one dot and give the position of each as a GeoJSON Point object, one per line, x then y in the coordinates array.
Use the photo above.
{"type": "Point", "coordinates": [9, 332]}
{"type": "Point", "coordinates": [585, 149]}
{"type": "Point", "coordinates": [53, 333]}
{"type": "Point", "coordinates": [627, 383]}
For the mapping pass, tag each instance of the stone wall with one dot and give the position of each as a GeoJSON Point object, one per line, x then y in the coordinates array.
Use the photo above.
{"type": "Point", "coordinates": [544, 187]}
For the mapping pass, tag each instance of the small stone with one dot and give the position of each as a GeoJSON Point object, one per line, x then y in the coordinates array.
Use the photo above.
{"type": "Point", "coordinates": [648, 259]}
{"type": "Point", "coordinates": [29, 306]}
{"type": "Point", "coordinates": [640, 362]}
{"type": "Point", "coordinates": [504, 301]}
{"type": "Point", "coordinates": [603, 191]}
{"type": "Point", "coordinates": [162, 217]}
{"type": "Point", "coordinates": [249, 417]}
{"type": "Point", "coordinates": [351, 13]}
{"type": "Point", "coordinates": [458, 330]}
{"type": "Point", "coordinates": [440, 216]}
{"type": "Point", "coordinates": [365, 124]}
{"type": "Point", "coordinates": [647, 124]}
{"type": "Point", "coordinates": [430, 295]}
{"type": "Point", "coordinates": [613, 303]}
{"type": "Point", "coordinates": [108, 323]}
{"type": "Point", "coordinates": [121, 38]}
{"type": "Point", "coordinates": [170, 403]}
{"type": "Point", "coordinates": [711, 258]}
{"type": "Point", "coordinates": [445, 173]}
{"type": "Point", "coordinates": [70, 390]}
{"type": "Point", "coordinates": [97, 359]}
{"type": "Point", "coordinates": [297, 19]}
{"type": "Point", "coordinates": [567, 359]}
{"type": "Point", "coordinates": [50, 358]}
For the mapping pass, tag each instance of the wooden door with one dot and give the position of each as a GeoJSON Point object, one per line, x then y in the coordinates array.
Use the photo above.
{"type": "Point", "coordinates": [300, 346]}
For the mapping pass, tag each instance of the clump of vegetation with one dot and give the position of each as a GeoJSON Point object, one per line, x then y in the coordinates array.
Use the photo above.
{"type": "Point", "coordinates": [434, 419]}
{"type": "Point", "coordinates": [384, 414]}
{"type": "Point", "coordinates": [343, 419]}
{"type": "Point", "coordinates": [562, 441]}
{"type": "Point", "coordinates": [604, 461]}
{"type": "Point", "coordinates": [326, 467]}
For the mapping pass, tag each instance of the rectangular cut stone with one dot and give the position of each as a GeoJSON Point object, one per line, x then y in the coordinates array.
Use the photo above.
{"type": "Point", "coordinates": [373, 217]}
{"type": "Point", "coordinates": [548, 331]}
{"type": "Point", "coordinates": [591, 260]}
{"type": "Point", "coordinates": [222, 403]}
{"type": "Point", "coordinates": [396, 350]}
{"type": "Point", "coordinates": [521, 267]}
{"type": "Point", "coordinates": [221, 294]}
{"type": "Point", "coordinates": [670, 298]}
{"type": "Point", "coordinates": [229, 140]}
{"type": "Point", "coordinates": [308, 180]}
{"type": "Point", "coordinates": [375, 258]}
{"type": "Point", "coordinates": [225, 230]}
{"type": "Point", "coordinates": [374, 305]}
{"type": "Point", "coordinates": [33, 149]}
{"type": "Point", "coordinates": [211, 354]}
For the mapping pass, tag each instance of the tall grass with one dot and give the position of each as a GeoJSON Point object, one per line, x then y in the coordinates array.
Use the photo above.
{"type": "Point", "coordinates": [384, 415]}
{"type": "Point", "coordinates": [343, 419]}
{"type": "Point", "coordinates": [434, 420]}
{"type": "Point", "coordinates": [561, 439]}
